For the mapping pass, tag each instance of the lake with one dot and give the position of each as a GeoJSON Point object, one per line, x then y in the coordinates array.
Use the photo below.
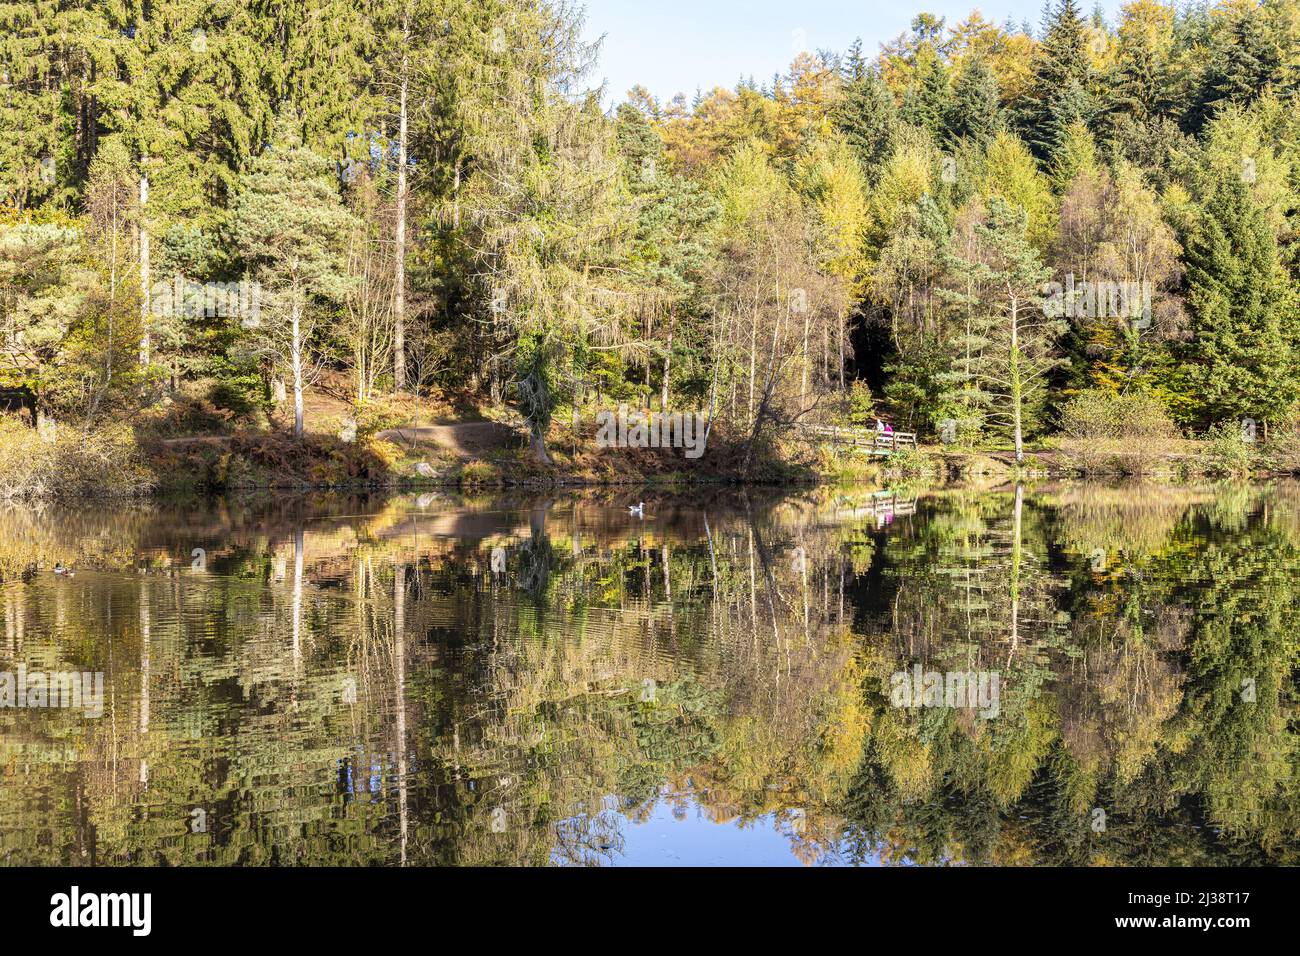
{"type": "Point", "coordinates": [1049, 675]}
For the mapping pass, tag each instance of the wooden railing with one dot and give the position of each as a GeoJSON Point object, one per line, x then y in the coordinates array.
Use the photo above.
{"type": "Point", "coordinates": [857, 437]}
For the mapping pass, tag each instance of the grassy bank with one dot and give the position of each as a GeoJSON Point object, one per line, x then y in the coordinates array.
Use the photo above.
{"type": "Point", "coordinates": [133, 461]}
{"type": "Point", "coordinates": [187, 444]}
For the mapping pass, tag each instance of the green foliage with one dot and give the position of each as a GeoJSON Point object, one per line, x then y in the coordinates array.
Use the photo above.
{"type": "Point", "coordinates": [1009, 344]}
{"type": "Point", "coordinates": [867, 117]}
{"type": "Point", "coordinates": [975, 112]}
{"type": "Point", "coordinates": [729, 251]}
{"type": "Point", "coordinates": [862, 406]}
{"type": "Point", "coordinates": [1063, 87]}
{"type": "Point", "coordinates": [1227, 452]}
{"type": "Point", "coordinates": [1097, 414]}
{"type": "Point", "coordinates": [1241, 359]}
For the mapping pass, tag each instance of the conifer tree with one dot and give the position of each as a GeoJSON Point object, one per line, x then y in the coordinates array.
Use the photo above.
{"type": "Point", "coordinates": [1062, 89]}
{"type": "Point", "coordinates": [1243, 348]}
{"type": "Point", "coordinates": [867, 117]}
{"type": "Point", "coordinates": [999, 279]}
{"type": "Point", "coordinates": [36, 148]}
{"type": "Point", "coordinates": [975, 112]}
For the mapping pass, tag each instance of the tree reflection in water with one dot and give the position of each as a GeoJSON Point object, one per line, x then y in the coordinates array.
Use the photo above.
{"type": "Point", "coordinates": [349, 682]}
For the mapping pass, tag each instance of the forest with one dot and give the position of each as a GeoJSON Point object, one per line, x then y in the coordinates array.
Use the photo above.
{"type": "Point", "coordinates": [242, 238]}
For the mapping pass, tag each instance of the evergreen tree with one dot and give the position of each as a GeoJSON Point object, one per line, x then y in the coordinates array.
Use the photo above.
{"type": "Point", "coordinates": [37, 151]}
{"type": "Point", "coordinates": [867, 118]}
{"type": "Point", "coordinates": [975, 112]}
{"type": "Point", "coordinates": [1010, 344]}
{"type": "Point", "coordinates": [1241, 359]}
{"type": "Point", "coordinates": [43, 291]}
{"type": "Point", "coordinates": [1139, 86]}
{"type": "Point", "coordinates": [1244, 62]}
{"type": "Point", "coordinates": [1062, 89]}
{"type": "Point", "coordinates": [927, 99]}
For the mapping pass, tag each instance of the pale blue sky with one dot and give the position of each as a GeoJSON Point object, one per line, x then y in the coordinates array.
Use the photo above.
{"type": "Point", "coordinates": [672, 46]}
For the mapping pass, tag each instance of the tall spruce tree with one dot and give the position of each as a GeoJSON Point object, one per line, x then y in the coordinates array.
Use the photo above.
{"type": "Point", "coordinates": [1245, 61]}
{"type": "Point", "coordinates": [927, 99]}
{"type": "Point", "coordinates": [975, 112]}
{"type": "Point", "coordinates": [37, 150]}
{"type": "Point", "coordinates": [1062, 90]}
{"type": "Point", "coordinates": [1242, 354]}
{"type": "Point", "coordinates": [867, 117]}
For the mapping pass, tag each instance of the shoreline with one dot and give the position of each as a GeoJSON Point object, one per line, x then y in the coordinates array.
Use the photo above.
{"type": "Point", "coordinates": [940, 479]}
{"type": "Point", "coordinates": [121, 463]}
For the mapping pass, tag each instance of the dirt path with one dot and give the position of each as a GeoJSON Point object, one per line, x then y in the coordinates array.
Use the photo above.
{"type": "Point", "coordinates": [466, 440]}
{"type": "Point", "coordinates": [469, 438]}
{"type": "Point", "coordinates": [213, 440]}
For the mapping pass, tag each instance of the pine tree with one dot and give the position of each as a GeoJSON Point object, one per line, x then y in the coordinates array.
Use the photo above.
{"type": "Point", "coordinates": [1242, 353]}
{"type": "Point", "coordinates": [1062, 89]}
{"type": "Point", "coordinates": [867, 117]}
{"type": "Point", "coordinates": [1010, 346]}
{"type": "Point", "coordinates": [322, 67]}
{"type": "Point", "coordinates": [975, 112]}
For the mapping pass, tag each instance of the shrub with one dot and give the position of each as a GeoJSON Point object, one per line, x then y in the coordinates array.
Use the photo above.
{"type": "Point", "coordinates": [1104, 432]}
{"type": "Point", "coordinates": [241, 395]}
{"type": "Point", "coordinates": [479, 473]}
{"type": "Point", "coordinates": [1283, 448]}
{"type": "Point", "coordinates": [861, 404]}
{"type": "Point", "coordinates": [1096, 414]}
{"type": "Point", "coordinates": [103, 463]}
{"type": "Point", "coordinates": [1227, 452]}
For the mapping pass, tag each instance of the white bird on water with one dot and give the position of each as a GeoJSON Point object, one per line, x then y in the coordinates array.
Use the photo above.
{"type": "Point", "coordinates": [638, 511]}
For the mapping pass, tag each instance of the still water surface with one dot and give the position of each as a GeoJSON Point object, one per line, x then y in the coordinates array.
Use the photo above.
{"type": "Point", "coordinates": [556, 681]}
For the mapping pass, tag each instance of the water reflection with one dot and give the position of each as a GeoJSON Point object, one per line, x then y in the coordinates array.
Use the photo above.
{"type": "Point", "coordinates": [556, 681]}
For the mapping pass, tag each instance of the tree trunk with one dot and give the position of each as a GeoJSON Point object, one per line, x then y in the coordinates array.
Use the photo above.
{"type": "Point", "coordinates": [668, 364]}
{"type": "Point", "coordinates": [145, 641]}
{"type": "Point", "coordinates": [803, 380]}
{"type": "Point", "coordinates": [145, 344]}
{"type": "Point", "coordinates": [1014, 376]}
{"type": "Point", "coordinates": [537, 442]}
{"type": "Point", "coordinates": [299, 541]}
{"type": "Point", "coordinates": [1016, 551]}
{"type": "Point", "coordinates": [399, 697]}
{"type": "Point", "coordinates": [399, 286]}
{"type": "Point", "coordinates": [297, 369]}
